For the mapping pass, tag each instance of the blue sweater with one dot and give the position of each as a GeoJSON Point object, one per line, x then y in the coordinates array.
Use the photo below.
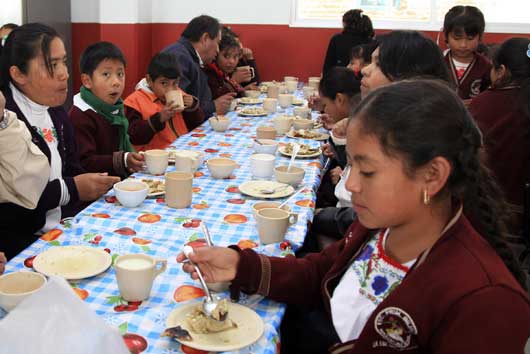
{"type": "Point", "coordinates": [193, 79]}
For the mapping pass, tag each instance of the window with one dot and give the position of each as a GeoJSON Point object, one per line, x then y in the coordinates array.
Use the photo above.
{"type": "Point", "coordinates": [504, 16]}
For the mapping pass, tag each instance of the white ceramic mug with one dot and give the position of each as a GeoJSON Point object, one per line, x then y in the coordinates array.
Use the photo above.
{"type": "Point", "coordinates": [314, 82]}
{"type": "Point", "coordinates": [262, 165]}
{"type": "Point", "coordinates": [303, 112]}
{"type": "Point", "coordinates": [308, 91]}
{"type": "Point", "coordinates": [135, 274]}
{"type": "Point", "coordinates": [285, 100]}
{"type": "Point", "coordinates": [273, 224]}
{"type": "Point", "coordinates": [273, 91]}
{"type": "Point", "coordinates": [282, 123]}
{"type": "Point", "coordinates": [156, 161]}
{"type": "Point", "coordinates": [175, 96]}
{"type": "Point", "coordinates": [270, 105]}
{"type": "Point", "coordinates": [247, 68]}
{"type": "Point", "coordinates": [291, 86]}
{"type": "Point", "coordinates": [179, 189]}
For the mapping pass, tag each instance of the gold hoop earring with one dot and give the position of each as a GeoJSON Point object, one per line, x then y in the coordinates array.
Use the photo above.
{"type": "Point", "coordinates": [426, 197]}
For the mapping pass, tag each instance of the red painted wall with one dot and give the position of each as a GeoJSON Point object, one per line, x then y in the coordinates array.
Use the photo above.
{"type": "Point", "coordinates": [279, 49]}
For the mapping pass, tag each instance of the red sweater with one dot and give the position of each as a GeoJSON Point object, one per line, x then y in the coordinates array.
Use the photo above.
{"type": "Point", "coordinates": [475, 79]}
{"type": "Point", "coordinates": [506, 132]}
{"type": "Point", "coordinates": [457, 298]}
{"type": "Point", "coordinates": [98, 142]}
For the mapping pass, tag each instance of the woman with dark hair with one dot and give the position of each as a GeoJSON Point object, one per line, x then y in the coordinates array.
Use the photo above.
{"type": "Point", "coordinates": [224, 65]}
{"type": "Point", "coordinates": [34, 78]}
{"type": "Point", "coordinates": [425, 268]}
{"type": "Point", "coordinates": [357, 29]}
{"type": "Point", "coordinates": [503, 114]}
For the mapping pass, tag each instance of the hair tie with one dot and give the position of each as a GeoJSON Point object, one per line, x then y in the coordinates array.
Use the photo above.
{"type": "Point", "coordinates": [528, 51]}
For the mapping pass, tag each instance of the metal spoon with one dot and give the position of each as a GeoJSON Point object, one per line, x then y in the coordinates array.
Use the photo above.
{"type": "Point", "coordinates": [210, 303]}
{"type": "Point", "coordinates": [206, 233]}
{"type": "Point", "coordinates": [296, 149]}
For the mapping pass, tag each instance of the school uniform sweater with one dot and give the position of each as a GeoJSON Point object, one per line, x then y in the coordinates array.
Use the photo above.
{"type": "Point", "coordinates": [457, 298]}
{"type": "Point", "coordinates": [474, 80]}
{"type": "Point", "coordinates": [506, 134]}
{"type": "Point", "coordinates": [339, 49]}
{"type": "Point", "coordinates": [98, 140]}
{"type": "Point", "coordinates": [220, 84]}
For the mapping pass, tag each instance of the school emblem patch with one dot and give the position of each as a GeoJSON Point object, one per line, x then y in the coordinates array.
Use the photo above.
{"type": "Point", "coordinates": [397, 328]}
{"type": "Point", "coordinates": [475, 87]}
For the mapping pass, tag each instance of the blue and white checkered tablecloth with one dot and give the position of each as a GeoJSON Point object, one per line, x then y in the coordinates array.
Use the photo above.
{"type": "Point", "coordinates": [154, 229]}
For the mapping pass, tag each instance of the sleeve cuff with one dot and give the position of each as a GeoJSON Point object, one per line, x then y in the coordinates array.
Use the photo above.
{"type": "Point", "coordinates": [65, 194]}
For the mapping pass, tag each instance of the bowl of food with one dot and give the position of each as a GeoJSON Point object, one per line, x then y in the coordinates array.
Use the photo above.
{"type": "Point", "coordinates": [130, 193]}
{"type": "Point", "coordinates": [293, 177]}
{"type": "Point", "coordinates": [265, 146]}
{"type": "Point", "coordinates": [221, 167]}
{"type": "Point", "coordinates": [16, 286]}
{"type": "Point", "coordinates": [306, 124]}
{"type": "Point", "coordinates": [252, 93]}
{"type": "Point", "coordinates": [219, 123]}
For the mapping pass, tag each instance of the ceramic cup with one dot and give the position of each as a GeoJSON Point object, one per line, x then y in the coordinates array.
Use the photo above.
{"type": "Point", "coordinates": [135, 274]}
{"type": "Point", "coordinates": [291, 86]}
{"type": "Point", "coordinates": [263, 205]}
{"type": "Point", "coordinates": [265, 132]}
{"type": "Point", "coordinates": [282, 123]}
{"type": "Point", "coordinates": [273, 91]}
{"type": "Point", "coordinates": [175, 96]}
{"type": "Point", "coordinates": [219, 123]}
{"type": "Point", "coordinates": [179, 189]}
{"type": "Point", "coordinates": [188, 160]}
{"type": "Point", "coordinates": [247, 68]}
{"type": "Point", "coordinates": [156, 161]}
{"type": "Point", "coordinates": [308, 91]}
{"type": "Point", "coordinates": [302, 112]}
{"type": "Point", "coordinates": [290, 78]}
{"type": "Point", "coordinates": [314, 81]}
{"type": "Point", "coordinates": [262, 165]}
{"type": "Point", "coordinates": [131, 193]}
{"type": "Point", "coordinates": [285, 100]}
{"type": "Point", "coordinates": [270, 105]}
{"type": "Point", "coordinates": [16, 286]}
{"type": "Point", "coordinates": [273, 223]}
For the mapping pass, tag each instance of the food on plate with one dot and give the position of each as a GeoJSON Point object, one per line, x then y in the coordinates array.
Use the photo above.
{"type": "Point", "coordinates": [249, 100]}
{"type": "Point", "coordinates": [178, 333]}
{"type": "Point", "coordinates": [253, 111]}
{"type": "Point", "coordinates": [199, 322]}
{"type": "Point", "coordinates": [304, 149]}
{"type": "Point", "coordinates": [306, 134]}
{"type": "Point", "coordinates": [155, 186]}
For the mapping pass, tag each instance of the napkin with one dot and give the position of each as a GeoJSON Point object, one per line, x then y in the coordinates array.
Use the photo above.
{"type": "Point", "coordinates": [55, 320]}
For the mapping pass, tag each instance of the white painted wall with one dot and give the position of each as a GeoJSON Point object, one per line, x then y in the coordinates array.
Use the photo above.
{"type": "Point", "coordinates": [180, 11]}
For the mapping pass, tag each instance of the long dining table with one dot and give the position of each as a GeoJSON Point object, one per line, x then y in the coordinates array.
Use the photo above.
{"type": "Point", "coordinates": [159, 231]}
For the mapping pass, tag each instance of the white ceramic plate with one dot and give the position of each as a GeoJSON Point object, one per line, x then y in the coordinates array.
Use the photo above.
{"type": "Point", "coordinates": [252, 188]}
{"type": "Point", "coordinates": [282, 151]}
{"type": "Point", "coordinates": [248, 100]}
{"type": "Point", "coordinates": [153, 191]}
{"type": "Point", "coordinates": [249, 329]}
{"type": "Point", "coordinates": [72, 262]}
{"type": "Point", "coordinates": [321, 136]}
{"type": "Point", "coordinates": [249, 112]}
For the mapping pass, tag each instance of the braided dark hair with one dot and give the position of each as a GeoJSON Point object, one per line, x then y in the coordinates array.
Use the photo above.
{"type": "Point", "coordinates": [419, 120]}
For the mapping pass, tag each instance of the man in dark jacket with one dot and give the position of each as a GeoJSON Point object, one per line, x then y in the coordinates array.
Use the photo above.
{"type": "Point", "coordinates": [198, 46]}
